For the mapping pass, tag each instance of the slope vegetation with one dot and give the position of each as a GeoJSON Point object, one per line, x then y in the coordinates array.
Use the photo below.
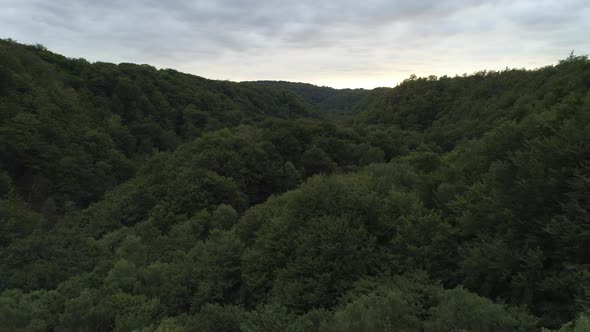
{"type": "Point", "coordinates": [137, 199]}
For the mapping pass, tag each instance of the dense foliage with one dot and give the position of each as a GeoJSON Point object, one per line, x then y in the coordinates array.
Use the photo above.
{"type": "Point", "coordinates": [133, 198]}
{"type": "Point", "coordinates": [325, 99]}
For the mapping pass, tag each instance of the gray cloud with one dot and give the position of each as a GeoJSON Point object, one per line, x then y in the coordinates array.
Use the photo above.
{"type": "Point", "coordinates": [340, 43]}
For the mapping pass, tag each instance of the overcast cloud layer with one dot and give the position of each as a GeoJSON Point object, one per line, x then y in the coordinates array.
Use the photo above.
{"type": "Point", "coordinates": [339, 43]}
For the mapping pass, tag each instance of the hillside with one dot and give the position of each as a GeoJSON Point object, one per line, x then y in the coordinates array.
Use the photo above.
{"type": "Point", "coordinates": [138, 199]}
{"type": "Point", "coordinates": [325, 99]}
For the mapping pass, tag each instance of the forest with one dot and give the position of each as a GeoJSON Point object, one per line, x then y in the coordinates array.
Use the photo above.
{"type": "Point", "coordinates": [142, 199]}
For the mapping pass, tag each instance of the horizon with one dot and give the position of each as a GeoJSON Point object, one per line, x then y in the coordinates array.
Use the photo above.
{"type": "Point", "coordinates": [298, 82]}
{"type": "Point", "coordinates": [335, 44]}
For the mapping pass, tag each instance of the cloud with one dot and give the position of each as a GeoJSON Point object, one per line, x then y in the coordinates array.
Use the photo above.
{"type": "Point", "coordinates": [339, 43]}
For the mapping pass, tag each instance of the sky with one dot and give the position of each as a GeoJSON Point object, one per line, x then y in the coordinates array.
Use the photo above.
{"type": "Point", "coordinates": [338, 43]}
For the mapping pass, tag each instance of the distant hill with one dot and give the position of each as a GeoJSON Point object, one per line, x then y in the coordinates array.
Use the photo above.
{"type": "Point", "coordinates": [325, 99]}
{"type": "Point", "coordinates": [313, 94]}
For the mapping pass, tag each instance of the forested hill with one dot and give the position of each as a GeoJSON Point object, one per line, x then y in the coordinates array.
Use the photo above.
{"type": "Point", "coordinates": [137, 199]}
{"type": "Point", "coordinates": [325, 99]}
{"type": "Point", "coordinates": [311, 93]}
{"type": "Point", "coordinates": [74, 129]}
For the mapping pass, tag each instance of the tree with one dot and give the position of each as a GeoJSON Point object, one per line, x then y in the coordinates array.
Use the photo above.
{"type": "Point", "coordinates": [316, 161]}
{"type": "Point", "coordinates": [224, 217]}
